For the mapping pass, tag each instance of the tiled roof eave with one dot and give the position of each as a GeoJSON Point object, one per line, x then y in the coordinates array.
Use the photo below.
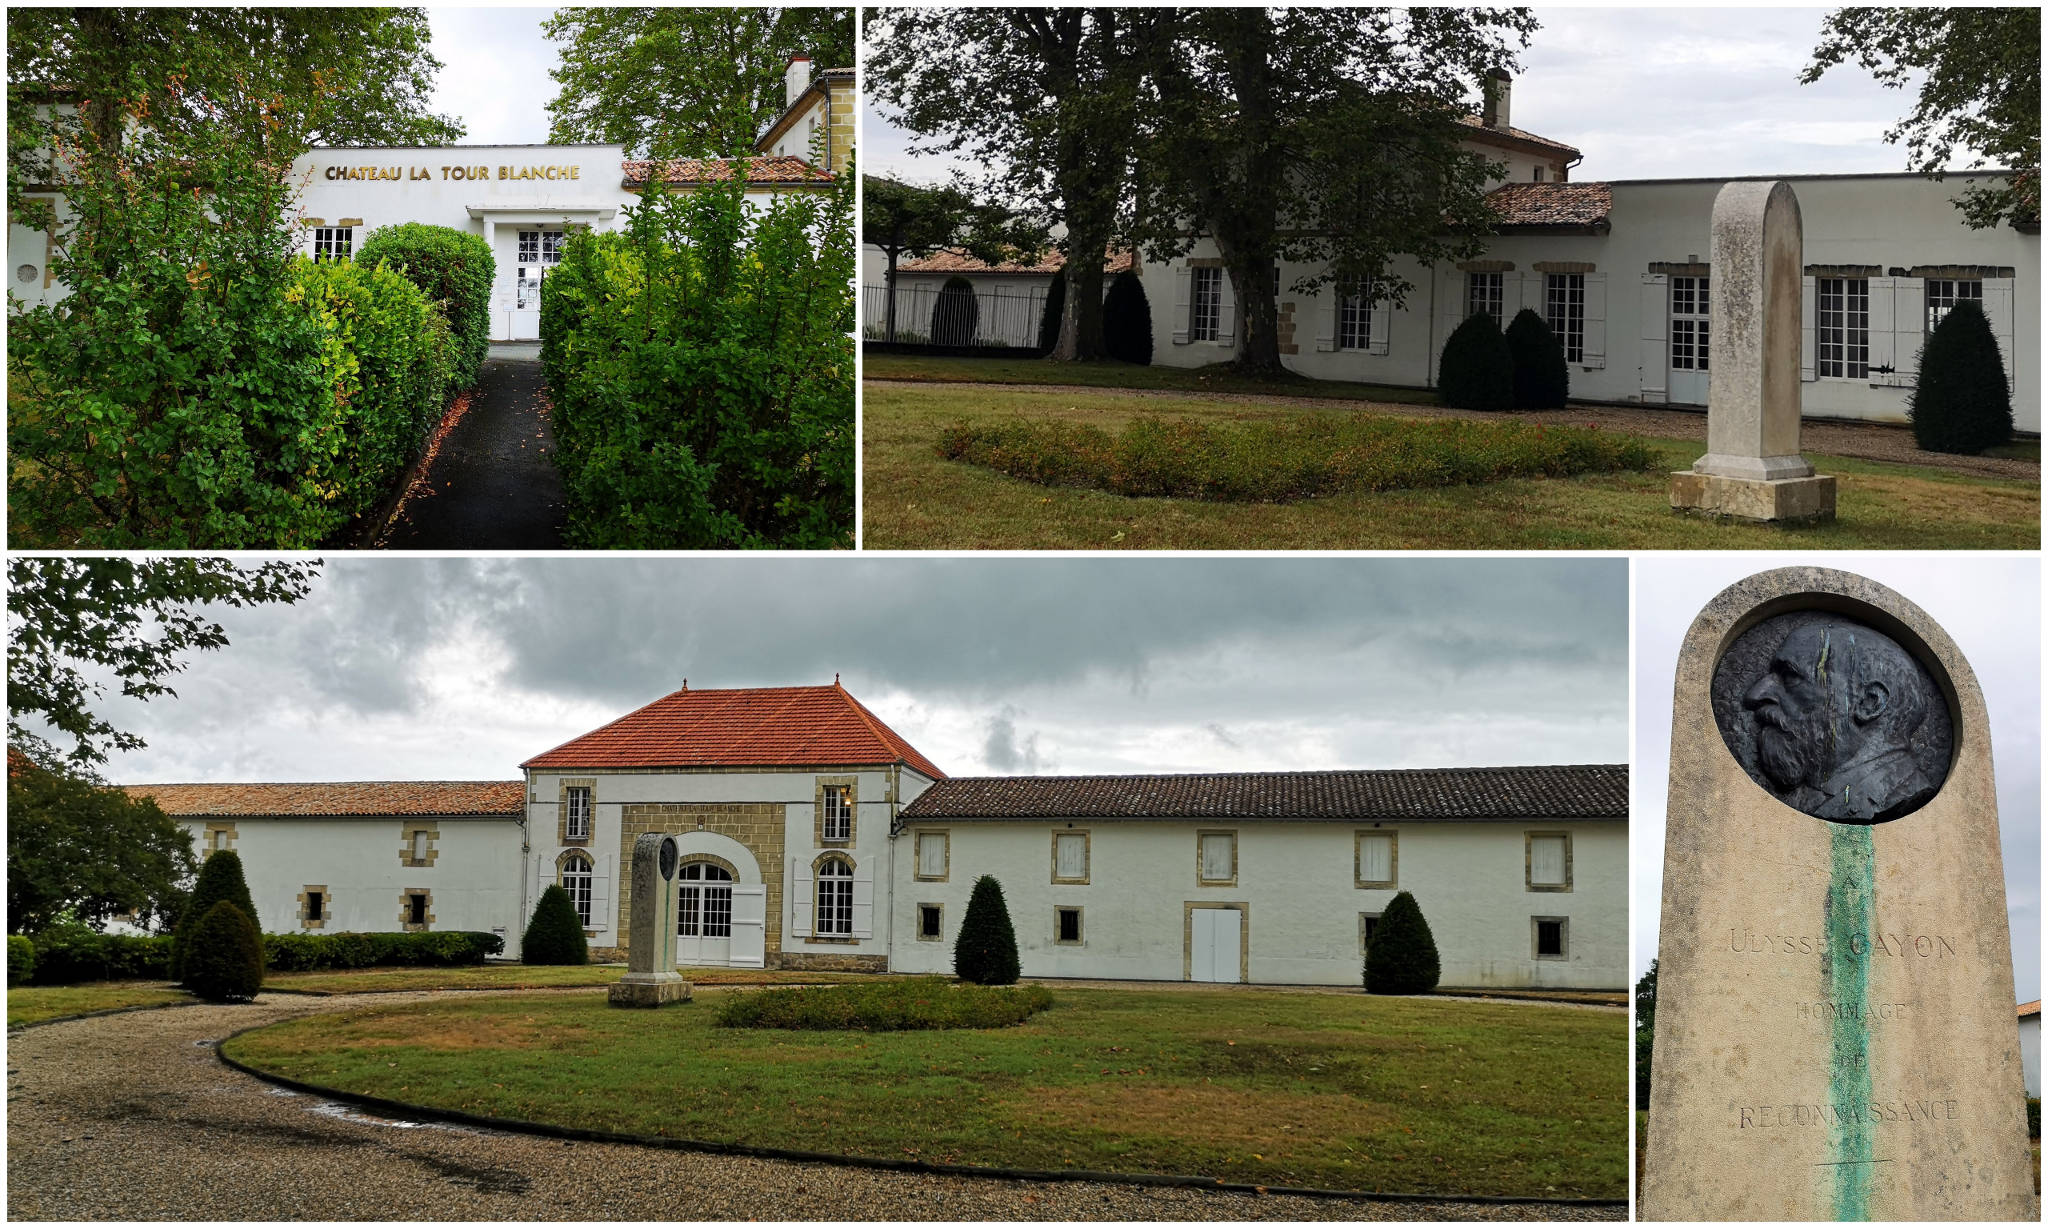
{"type": "Point", "coordinates": [1599, 227]}
{"type": "Point", "coordinates": [1054, 817]}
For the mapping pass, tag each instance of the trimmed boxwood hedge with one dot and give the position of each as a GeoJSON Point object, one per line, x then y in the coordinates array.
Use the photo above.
{"type": "Point", "coordinates": [224, 958]}
{"type": "Point", "coordinates": [299, 953]}
{"type": "Point", "coordinates": [1961, 402]}
{"type": "Point", "coordinates": [555, 935]}
{"type": "Point", "coordinates": [1476, 371]}
{"type": "Point", "coordinates": [1127, 320]}
{"type": "Point", "coordinates": [1402, 958]}
{"type": "Point", "coordinates": [454, 270]}
{"type": "Point", "coordinates": [66, 955]}
{"type": "Point", "coordinates": [1542, 378]}
{"type": "Point", "coordinates": [921, 1003]}
{"type": "Point", "coordinates": [986, 951]}
{"type": "Point", "coordinates": [220, 878]}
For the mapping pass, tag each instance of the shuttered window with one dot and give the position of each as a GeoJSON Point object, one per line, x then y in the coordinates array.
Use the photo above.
{"type": "Point", "coordinates": [1205, 313]}
{"type": "Point", "coordinates": [835, 897]}
{"type": "Point", "coordinates": [1483, 294]}
{"type": "Point", "coordinates": [576, 882]}
{"type": "Point", "coordinates": [1218, 857]}
{"type": "Point", "coordinates": [1564, 306]}
{"type": "Point", "coordinates": [931, 855]}
{"type": "Point", "coordinates": [1376, 858]}
{"type": "Point", "coordinates": [1843, 337]}
{"type": "Point", "coordinates": [1070, 857]}
{"type": "Point", "coordinates": [1549, 860]}
{"type": "Point", "coordinates": [1354, 314]}
{"type": "Point", "coordinates": [1944, 293]}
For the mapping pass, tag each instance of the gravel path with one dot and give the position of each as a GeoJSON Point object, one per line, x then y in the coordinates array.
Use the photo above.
{"type": "Point", "coordinates": [133, 1118]}
{"type": "Point", "coordinates": [1864, 441]}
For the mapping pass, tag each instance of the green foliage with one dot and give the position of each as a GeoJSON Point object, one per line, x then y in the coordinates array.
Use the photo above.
{"type": "Point", "coordinates": [220, 879]}
{"type": "Point", "coordinates": [79, 849]}
{"type": "Point", "coordinates": [454, 270]}
{"type": "Point", "coordinates": [1402, 958]}
{"type": "Point", "coordinates": [21, 959]}
{"type": "Point", "coordinates": [1961, 402]}
{"type": "Point", "coordinates": [1476, 370]}
{"type": "Point", "coordinates": [1646, 1028]}
{"type": "Point", "coordinates": [1281, 462]}
{"type": "Point", "coordinates": [555, 935]}
{"type": "Point", "coordinates": [2033, 1117]}
{"type": "Point", "coordinates": [701, 372]}
{"type": "Point", "coordinates": [1049, 319]}
{"type": "Point", "coordinates": [302, 952]}
{"type": "Point", "coordinates": [1127, 320]}
{"type": "Point", "coordinates": [224, 963]}
{"type": "Point", "coordinates": [70, 952]}
{"type": "Point", "coordinates": [986, 950]}
{"type": "Point", "coordinates": [1542, 381]}
{"type": "Point", "coordinates": [956, 315]}
{"type": "Point", "coordinates": [895, 1006]}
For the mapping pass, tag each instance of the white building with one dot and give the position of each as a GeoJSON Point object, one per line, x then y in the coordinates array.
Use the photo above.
{"type": "Point", "coordinates": [1619, 268]}
{"type": "Point", "coordinates": [1009, 297]}
{"type": "Point", "coordinates": [2030, 1045]}
{"type": "Point", "coordinates": [814, 837]}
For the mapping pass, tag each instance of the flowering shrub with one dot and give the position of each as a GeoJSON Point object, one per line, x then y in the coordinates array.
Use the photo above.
{"type": "Point", "coordinates": [700, 369]}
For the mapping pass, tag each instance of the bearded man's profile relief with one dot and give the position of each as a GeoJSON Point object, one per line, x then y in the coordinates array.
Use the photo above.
{"type": "Point", "coordinates": [1835, 712]}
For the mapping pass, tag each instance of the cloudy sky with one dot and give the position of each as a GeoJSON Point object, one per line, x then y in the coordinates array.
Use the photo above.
{"type": "Point", "coordinates": [461, 668]}
{"type": "Point", "coordinates": [1652, 93]}
{"type": "Point", "coordinates": [1989, 604]}
{"type": "Point", "coordinates": [494, 74]}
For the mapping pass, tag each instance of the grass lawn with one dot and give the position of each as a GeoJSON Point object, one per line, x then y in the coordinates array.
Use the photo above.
{"type": "Point", "coordinates": [28, 1004]}
{"type": "Point", "coordinates": [915, 500]}
{"type": "Point", "coordinates": [1340, 1091]}
{"type": "Point", "coordinates": [1106, 374]}
{"type": "Point", "coordinates": [518, 977]}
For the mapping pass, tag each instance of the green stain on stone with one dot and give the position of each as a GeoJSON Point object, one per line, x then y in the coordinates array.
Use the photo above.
{"type": "Point", "coordinates": [1845, 973]}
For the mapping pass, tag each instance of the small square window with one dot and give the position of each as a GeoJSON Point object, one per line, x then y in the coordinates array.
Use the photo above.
{"type": "Point", "coordinates": [1375, 855]}
{"type": "Point", "coordinates": [931, 922]}
{"type": "Point", "coordinates": [1368, 926]}
{"type": "Point", "coordinates": [1549, 936]}
{"type": "Point", "coordinates": [316, 904]}
{"type": "Point", "coordinates": [1549, 862]}
{"type": "Point", "coordinates": [1067, 924]}
{"type": "Point", "coordinates": [1070, 857]}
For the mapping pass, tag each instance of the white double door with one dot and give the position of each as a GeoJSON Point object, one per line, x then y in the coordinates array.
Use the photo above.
{"type": "Point", "coordinates": [719, 922]}
{"type": "Point", "coordinates": [1215, 945]}
{"type": "Point", "coordinates": [1691, 345]}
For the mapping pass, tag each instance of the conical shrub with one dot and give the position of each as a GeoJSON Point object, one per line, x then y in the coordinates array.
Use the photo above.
{"type": "Point", "coordinates": [1127, 320]}
{"type": "Point", "coordinates": [1961, 402]}
{"type": "Point", "coordinates": [1402, 958]}
{"type": "Point", "coordinates": [956, 316]}
{"type": "Point", "coordinates": [1542, 380]}
{"type": "Point", "coordinates": [555, 935]}
{"type": "Point", "coordinates": [224, 960]}
{"type": "Point", "coordinates": [986, 951]}
{"type": "Point", "coordinates": [1476, 372]}
{"type": "Point", "coordinates": [220, 878]}
{"type": "Point", "coordinates": [1049, 319]}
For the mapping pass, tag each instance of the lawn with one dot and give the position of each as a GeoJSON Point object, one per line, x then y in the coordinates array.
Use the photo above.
{"type": "Point", "coordinates": [1217, 379]}
{"type": "Point", "coordinates": [915, 500]}
{"type": "Point", "coordinates": [1335, 1091]}
{"type": "Point", "coordinates": [29, 1004]}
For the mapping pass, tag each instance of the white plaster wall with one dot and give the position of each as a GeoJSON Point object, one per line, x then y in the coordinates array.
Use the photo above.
{"type": "Point", "coordinates": [1303, 908]}
{"type": "Point", "coordinates": [2030, 1052]}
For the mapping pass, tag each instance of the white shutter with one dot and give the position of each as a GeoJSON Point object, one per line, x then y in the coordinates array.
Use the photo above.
{"type": "Point", "coordinates": [1376, 858]}
{"type": "Point", "coordinates": [749, 926]}
{"type": "Point", "coordinates": [1381, 325]}
{"type": "Point", "coordinates": [1880, 339]}
{"type": "Point", "coordinates": [863, 905]}
{"type": "Point", "coordinates": [1216, 857]}
{"type": "Point", "coordinates": [601, 903]}
{"type": "Point", "coordinates": [1226, 310]}
{"type": "Point", "coordinates": [1909, 327]}
{"type": "Point", "coordinates": [1450, 313]}
{"type": "Point", "coordinates": [1512, 287]}
{"type": "Point", "coordinates": [1596, 320]}
{"type": "Point", "coordinates": [1073, 855]}
{"type": "Point", "coordinates": [1546, 861]}
{"type": "Point", "coordinates": [1331, 295]}
{"type": "Point", "coordinates": [1998, 310]}
{"type": "Point", "coordinates": [799, 900]}
{"type": "Point", "coordinates": [1183, 302]}
{"type": "Point", "coordinates": [931, 854]}
{"type": "Point", "coordinates": [1808, 317]}
{"type": "Point", "coordinates": [1654, 354]}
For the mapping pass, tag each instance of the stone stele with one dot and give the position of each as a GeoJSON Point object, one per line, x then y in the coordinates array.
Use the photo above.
{"type": "Point", "coordinates": [651, 979]}
{"type": "Point", "coordinates": [1752, 469]}
{"type": "Point", "coordinates": [1835, 1034]}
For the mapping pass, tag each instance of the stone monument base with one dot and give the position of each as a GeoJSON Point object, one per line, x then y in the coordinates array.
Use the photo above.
{"type": "Point", "coordinates": [648, 991]}
{"type": "Point", "coordinates": [1754, 499]}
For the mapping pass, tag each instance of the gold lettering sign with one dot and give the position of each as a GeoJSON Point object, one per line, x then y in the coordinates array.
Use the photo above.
{"type": "Point", "coordinates": [452, 172]}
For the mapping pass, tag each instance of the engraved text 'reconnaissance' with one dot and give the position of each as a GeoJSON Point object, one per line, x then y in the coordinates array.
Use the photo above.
{"type": "Point", "coordinates": [1809, 1115]}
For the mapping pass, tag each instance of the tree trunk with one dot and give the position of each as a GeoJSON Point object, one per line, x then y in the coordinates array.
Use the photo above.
{"type": "Point", "coordinates": [889, 285]}
{"type": "Point", "coordinates": [1081, 317]}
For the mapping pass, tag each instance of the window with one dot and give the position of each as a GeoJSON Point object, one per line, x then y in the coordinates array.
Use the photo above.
{"type": "Point", "coordinates": [576, 882]}
{"type": "Point", "coordinates": [704, 907]}
{"type": "Point", "coordinates": [1550, 862]}
{"type": "Point", "coordinates": [313, 906]}
{"type": "Point", "coordinates": [838, 820]}
{"type": "Point", "coordinates": [1482, 294]}
{"type": "Point", "coordinates": [419, 845]}
{"type": "Point", "coordinates": [1548, 936]}
{"type": "Point", "coordinates": [1205, 307]}
{"type": "Point", "coordinates": [316, 903]}
{"type": "Point", "coordinates": [416, 909]}
{"type": "Point", "coordinates": [1217, 857]}
{"type": "Point", "coordinates": [1689, 323]}
{"type": "Point", "coordinates": [1564, 306]}
{"type": "Point", "coordinates": [835, 897]}
{"type": "Point", "coordinates": [1368, 926]}
{"type": "Point", "coordinates": [931, 922]}
{"type": "Point", "coordinates": [931, 855]}
{"type": "Point", "coordinates": [1070, 857]}
{"type": "Point", "coordinates": [538, 251]}
{"type": "Point", "coordinates": [333, 242]}
{"type": "Point", "coordinates": [1066, 925]}
{"type": "Point", "coordinates": [1842, 327]}
{"type": "Point", "coordinates": [1354, 314]}
{"type": "Point", "coordinates": [578, 824]}
{"type": "Point", "coordinates": [1375, 860]}
{"type": "Point", "coordinates": [1538, 176]}
{"type": "Point", "coordinates": [1944, 293]}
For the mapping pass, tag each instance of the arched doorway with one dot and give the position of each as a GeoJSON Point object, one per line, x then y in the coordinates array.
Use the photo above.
{"type": "Point", "coordinates": [703, 914]}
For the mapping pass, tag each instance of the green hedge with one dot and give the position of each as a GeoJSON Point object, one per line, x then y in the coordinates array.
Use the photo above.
{"type": "Point", "coordinates": [923, 1003]}
{"type": "Point", "coordinates": [1476, 370]}
{"type": "Point", "coordinates": [555, 934]}
{"type": "Point", "coordinates": [700, 372]}
{"type": "Point", "coordinates": [299, 953]}
{"type": "Point", "coordinates": [1961, 402]}
{"type": "Point", "coordinates": [454, 269]}
{"type": "Point", "coordinates": [67, 954]}
{"type": "Point", "coordinates": [224, 959]}
{"type": "Point", "coordinates": [21, 959]}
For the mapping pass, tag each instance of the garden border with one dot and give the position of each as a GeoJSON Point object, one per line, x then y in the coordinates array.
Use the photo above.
{"type": "Point", "coordinates": [405, 1110]}
{"type": "Point", "coordinates": [12, 1029]}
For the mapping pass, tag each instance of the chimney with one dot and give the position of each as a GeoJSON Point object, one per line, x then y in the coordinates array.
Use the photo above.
{"type": "Point", "coordinates": [796, 78]}
{"type": "Point", "coordinates": [1496, 87]}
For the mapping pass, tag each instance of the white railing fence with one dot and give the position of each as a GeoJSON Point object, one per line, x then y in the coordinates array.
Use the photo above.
{"type": "Point", "coordinates": [928, 315]}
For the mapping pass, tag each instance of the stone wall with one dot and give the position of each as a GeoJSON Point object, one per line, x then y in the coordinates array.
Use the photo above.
{"type": "Point", "coordinates": [822, 962]}
{"type": "Point", "coordinates": [760, 826]}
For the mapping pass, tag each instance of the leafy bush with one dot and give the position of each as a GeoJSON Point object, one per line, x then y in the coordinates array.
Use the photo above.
{"type": "Point", "coordinates": [21, 959]}
{"type": "Point", "coordinates": [2033, 1117]}
{"type": "Point", "coordinates": [555, 935]}
{"type": "Point", "coordinates": [220, 878]}
{"type": "Point", "coordinates": [922, 1003]}
{"type": "Point", "coordinates": [454, 270]}
{"type": "Point", "coordinates": [298, 952]}
{"type": "Point", "coordinates": [1280, 462]}
{"type": "Point", "coordinates": [71, 952]}
{"type": "Point", "coordinates": [956, 316]}
{"type": "Point", "coordinates": [1961, 402]}
{"type": "Point", "coordinates": [1476, 371]}
{"type": "Point", "coordinates": [224, 962]}
{"type": "Point", "coordinates": [986, 950]}
{"type": "Point", "coordinates": [1542, 380]}
{"type": "Point", "coordinates": [1402, 958]}
{"type": "Point", "coordinates": [1127, 320]}
{"type": "Point", "coordinates": [1049, 319]}
{"type": "Point", "coordinates": [701, 372]}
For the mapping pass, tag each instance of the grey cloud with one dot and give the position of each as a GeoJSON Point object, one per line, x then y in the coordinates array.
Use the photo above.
{"type": "Point", "coordinates": [1004, 752]}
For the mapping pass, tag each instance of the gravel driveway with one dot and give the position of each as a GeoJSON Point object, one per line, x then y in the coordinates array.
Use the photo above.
{"type": "Point", "coordinates": [131, 1117]}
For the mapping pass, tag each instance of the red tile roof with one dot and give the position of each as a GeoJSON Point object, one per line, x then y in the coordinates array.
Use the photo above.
{"type": "Point", "coordinates": [313, 798]}
{"type": "Point", "coordinates": [2030, 1009]}
{"type": "Point", "coordinates": [761, 169]}
{"type": "Point", "coordinates": [1589, 791]}
{"type": "Point", "coordinates": [1552, 204]}
{"type": "Point", "coordinates": [1520, 135]}
{"type": "Point", "coordinates": [959, 262]}
{"type": "Point", "coordinates": [748, 727]}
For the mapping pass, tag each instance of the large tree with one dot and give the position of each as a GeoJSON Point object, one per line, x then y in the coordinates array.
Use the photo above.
{"type": "Point", "coordinates": [133, 617]}
{"type": "Point", "coordinates": [1322, 136]}
{"type": "Point", "coordinates": [684, 82]}
{"type": "Point", "coordinates": [1980, 90]}
{"type": "Point", "coordinates": [75, 847]}
{"type": "Point", "coordinates": [1046, 100]}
